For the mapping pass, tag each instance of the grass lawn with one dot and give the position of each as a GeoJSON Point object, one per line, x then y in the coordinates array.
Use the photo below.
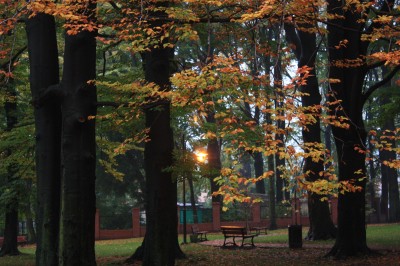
{"type": "Point", "coordinates": [386, 238]}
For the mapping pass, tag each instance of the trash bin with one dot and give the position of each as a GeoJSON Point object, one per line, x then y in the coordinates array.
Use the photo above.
{"type": "Point", "coordinates": [295, 236]}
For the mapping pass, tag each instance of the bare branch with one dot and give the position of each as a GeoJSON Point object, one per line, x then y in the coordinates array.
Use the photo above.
{"type": "Point", "coordinates": [377, 85]}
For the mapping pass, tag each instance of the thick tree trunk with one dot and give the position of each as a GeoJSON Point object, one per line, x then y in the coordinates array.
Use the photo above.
{"type": "Point", "coordinates": [44, 74]}
{"type": "Point", "coordinates": [351, 235]}
{"type": "Point", "coordinates": [161, 193]}
{"type": "Point", "coordinates": [160, 246]}
{"type": "Point", "coordinates": [78, 201]}
{"type": "Point", "coordinates": [10, 245]}
{"type": "Point", "coordinates": [321, 225]}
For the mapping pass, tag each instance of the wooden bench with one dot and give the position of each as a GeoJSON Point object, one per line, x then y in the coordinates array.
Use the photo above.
{"type": "Point", "coordinates": [236, 232]}
{"type": "Point", "coordinates": [21, 240]}
{"type": "Point", "coordinates": [201, 235]}
{"type": "Point", "coordinates": [259, 229]}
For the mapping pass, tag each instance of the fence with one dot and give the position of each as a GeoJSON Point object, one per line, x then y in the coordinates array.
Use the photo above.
{"type": "Point", "coordinates": [256, 215]}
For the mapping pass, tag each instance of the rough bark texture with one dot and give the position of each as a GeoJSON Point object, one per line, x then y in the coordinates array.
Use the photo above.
{"type": "Point", "coordinates": [321, 225]}
{"type": "Point", "coordinates": [351, 235]}
{"type": "Point", "coordinates": [161, 190]}
{"type": "Point", "coordinates": [44, 75]}
{"type": "Point", "coordinates": [160, 246]}
{"type": "Point", "coordinates": [78, 202]}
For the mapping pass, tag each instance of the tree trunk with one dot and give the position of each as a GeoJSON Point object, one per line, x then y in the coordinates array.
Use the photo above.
{"type": "Point", "coordinates": [28, 215]}
{"type": "Point", "coordinates": [29, 221]}
{"type": "Point", "coordinates": [10, 246]}
{"type": "Point", "coordinates": [44, 74]}
{"type": "Point", "coordinates": [272, 193]}
{"type": "Point", "coordinates": [161, 191]}
{"type": "Point", "coordinates": [78, 201]}
{"type": "Point", "coordinates": [160, 246]}
{"type": "Point", "coordinates": [372, 173]}
{"type": "Point", "coordinates": [280, 162]}
{"type": "Point", "coordinates": [259, 171]}
{"type": "Point", "coordinates": [351, 235]}
{"type": "Point", "coordinates": [390, 176]}
{"type": "Point", "coordinates": [214, 160]}
{"type": "Point", "coordinates": [193, 200]}
{"type": "Point", "coordinates": [321, 225]}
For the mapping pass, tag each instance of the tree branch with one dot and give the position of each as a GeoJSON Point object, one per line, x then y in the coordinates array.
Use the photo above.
{"type": "Point", "coordinates": [377, 85]}
{"type": "Point", "coordinates": [13, 59]}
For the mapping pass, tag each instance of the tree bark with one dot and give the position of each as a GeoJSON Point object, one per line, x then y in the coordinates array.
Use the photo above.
{"type": "Point", "coordinates": [389, 174]}
{"type": "Point", "coordinates": [321, 225]}
{"type": "Point", "coordinates": [10, 246]}
{"type": "Point", "coordinates": [78, 201]}
{"type": "Point", "coordinates": [351, 234]}
{"type": "Point", "coordinates": [160, 246]}
{"type": "Point", "coordinates": [214, 160]}
{"type": "Point", "coordinates": [161, 190]}
{"type": "Point", "coordinates": [44, 75]}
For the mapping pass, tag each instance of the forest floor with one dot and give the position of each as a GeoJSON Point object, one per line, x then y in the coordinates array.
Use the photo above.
{"type": "Point", "coordinates": [211, 253]}
{"type": "Point", "coordinates": [271, 250]}
{"type": "Point", "coordinates": [274, 254]}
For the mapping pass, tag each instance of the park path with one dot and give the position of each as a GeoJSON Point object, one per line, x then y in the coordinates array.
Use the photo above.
{"type": "Point", "coordinates": [220, 242]}
{"type": "Point", "coordinates": [306, 244]}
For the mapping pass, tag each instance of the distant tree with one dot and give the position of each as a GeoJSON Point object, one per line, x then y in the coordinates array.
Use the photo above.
{"type": "Point", "coordinates": [9, 246]}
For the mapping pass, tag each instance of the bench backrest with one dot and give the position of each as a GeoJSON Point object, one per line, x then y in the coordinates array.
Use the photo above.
{"type": "Point", "coordinates": [195, 229]}
{"type": "Point", "coordinates": [234, 230]}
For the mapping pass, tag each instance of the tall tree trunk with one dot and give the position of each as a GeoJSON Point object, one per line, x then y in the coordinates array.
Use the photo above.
{"type": "Point", "coordinates": [321, 225]}
{"type": "Point", "coordinates": [44, 75]}
{"type": "Point", "coordinates": [259, 171]}
{"type": "Point", "coordinates": [280, 161]}
{"type": "Point", "coordinates": [258, 158]}
{"type": "Point", "coordinates": [160, 246]}
{"type": "Point", "coordinates": [161, 191]}
{"type": "Point", "coordinates": [31, 238]}
{"type": "Point", "coordinates": [192, 199]}
{"type": "Point", "coordinates": [351, 235]}
{"type": "Point", "coordinates": [271, 192]}
{"type": "Point", "coordinates": [78, 200]}
{"type": "Point", "coordinates": [9, 246]}
{"type": "Point", "coordinates": [391, 175]}
{"type": "Point", "coordinates": [384, 202]}
{"type": "Point", "coordinates": [372, 172]}
{"type": "Point", "coordinates": [214, 160]}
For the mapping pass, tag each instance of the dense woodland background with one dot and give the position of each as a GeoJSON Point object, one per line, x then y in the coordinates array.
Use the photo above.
{"type": "Point", "coordinates": [106, 104]}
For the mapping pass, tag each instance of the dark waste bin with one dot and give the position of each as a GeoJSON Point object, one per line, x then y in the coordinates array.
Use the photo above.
{"type": "Point", "coordinates": [295, 236]}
